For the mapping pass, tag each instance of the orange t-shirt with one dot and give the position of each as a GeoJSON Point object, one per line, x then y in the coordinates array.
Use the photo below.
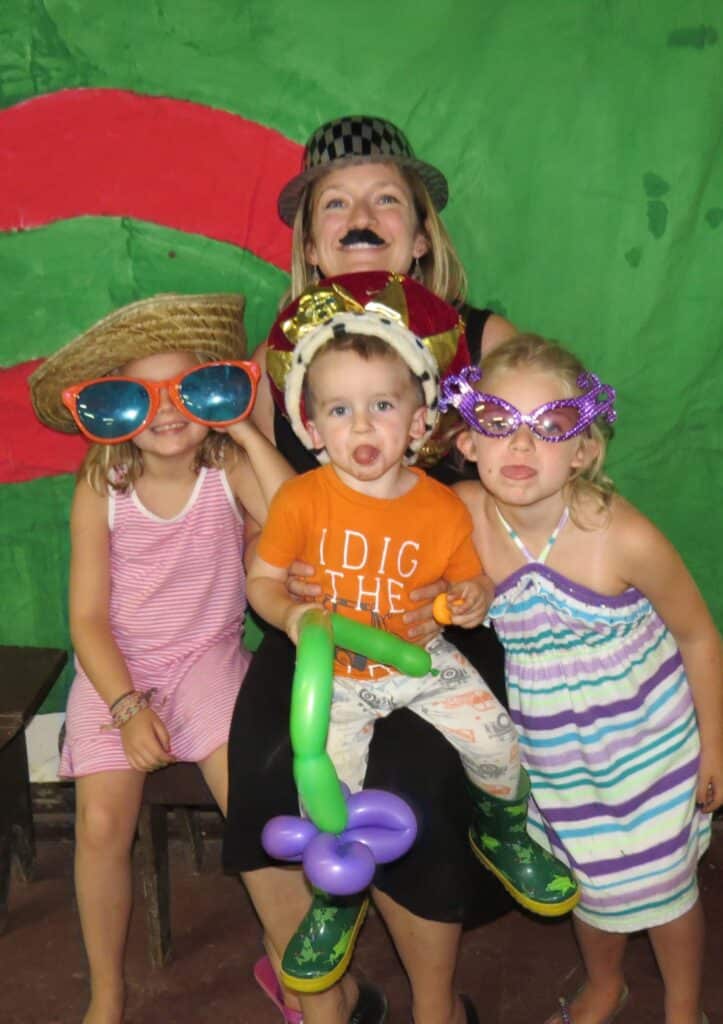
{"type": "Point", "coordinates": [369, 553]}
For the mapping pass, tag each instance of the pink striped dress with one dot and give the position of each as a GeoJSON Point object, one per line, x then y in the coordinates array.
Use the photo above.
{"type": "Point", "coordinates": [176, 609]}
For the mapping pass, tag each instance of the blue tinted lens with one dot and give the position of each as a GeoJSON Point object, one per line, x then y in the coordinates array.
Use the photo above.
{"type": "Point", "coordinates": [216, 394]}
{"type": "Point", "coordinates": [111, 409]}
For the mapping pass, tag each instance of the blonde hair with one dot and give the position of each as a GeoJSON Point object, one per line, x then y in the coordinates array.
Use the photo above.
{"type": "Point", "coordinates": [441, 268]}
{"type": "Point", "coordinates": [531, 352]}
{"type": "Point", "coordinates": [118, 466]}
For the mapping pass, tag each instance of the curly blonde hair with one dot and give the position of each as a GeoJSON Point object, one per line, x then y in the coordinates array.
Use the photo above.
{"type": "Point", "coordinates": [118, 466]}
{"type": "Point", "coordinates": [441, 268]}
{"type": "Point", "coordinates": [531, 352]}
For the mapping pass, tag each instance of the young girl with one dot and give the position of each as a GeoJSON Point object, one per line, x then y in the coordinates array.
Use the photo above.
{"type": "Point", "coordinates": [613, 668]}
{"type": "Point", "coordinates": [156, 580]}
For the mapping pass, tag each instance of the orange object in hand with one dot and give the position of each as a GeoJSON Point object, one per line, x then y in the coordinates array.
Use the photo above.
{"type": "Point", "coordinates": [440, 610]}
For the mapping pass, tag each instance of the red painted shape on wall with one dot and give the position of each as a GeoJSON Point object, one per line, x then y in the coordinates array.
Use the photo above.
{"type": "Point", "coordinates": [27, 448]}
{"type": "Point", "coordinates": [110, 152]}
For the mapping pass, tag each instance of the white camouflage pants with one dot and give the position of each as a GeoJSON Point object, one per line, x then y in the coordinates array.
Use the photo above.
{"type": "Point", "coordinates": [453, 698]}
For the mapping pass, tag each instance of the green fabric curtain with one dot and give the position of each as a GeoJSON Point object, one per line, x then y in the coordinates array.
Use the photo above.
{"type": "Point", "coordinates": [582, 142]}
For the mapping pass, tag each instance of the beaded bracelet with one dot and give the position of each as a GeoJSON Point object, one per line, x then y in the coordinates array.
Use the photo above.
{"type": "Point", "coordinates": [117, 701]}
{"type": "Point", "coordinates": [127, 706]}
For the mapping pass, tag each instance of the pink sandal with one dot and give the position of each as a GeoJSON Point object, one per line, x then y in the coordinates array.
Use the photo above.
{"type": "Point", "coordinates": [267, 980]}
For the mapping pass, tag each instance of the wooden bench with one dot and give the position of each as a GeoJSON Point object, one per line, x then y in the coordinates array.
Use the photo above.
{"type": "Point", "coordinates": [181, 788]}
{"type": "Point", "coordinates": [176, 802]}
{"type": "Point", "coordinates": [27, 675]}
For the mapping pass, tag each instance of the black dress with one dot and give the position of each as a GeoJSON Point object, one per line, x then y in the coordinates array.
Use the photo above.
{"type": "Point", "coordinates": [439, 879]}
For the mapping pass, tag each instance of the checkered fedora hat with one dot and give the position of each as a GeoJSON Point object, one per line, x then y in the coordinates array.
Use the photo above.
{"type": "Point", "coordinates": [357, 138]}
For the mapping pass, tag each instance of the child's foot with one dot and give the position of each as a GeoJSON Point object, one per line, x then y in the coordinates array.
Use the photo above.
{"type": "Point", "coordinates": [105, 1010]}
{"type": "Point", "coordinates": [94, 1017]}
{"type": "Point", "coordinates": [320, 949]}
{"type": "Point", "coordinates": [591, 1005]}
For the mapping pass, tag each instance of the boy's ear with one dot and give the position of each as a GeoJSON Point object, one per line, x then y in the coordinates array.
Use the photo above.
{"type": "Point", "coordinates": [315, 436]}
{"type": "Point", "coordinates": [465, 443]}
{"type": "Point", "coordinates": [418, 425]}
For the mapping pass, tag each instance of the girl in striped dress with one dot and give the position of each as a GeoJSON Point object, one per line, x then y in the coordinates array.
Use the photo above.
{"type": "Point", "coordinates": [157, 585]}
{"type": "Point", "coordinates": [613, 668]}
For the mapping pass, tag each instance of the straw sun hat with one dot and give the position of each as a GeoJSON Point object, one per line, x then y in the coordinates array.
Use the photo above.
{"type": "Point", "coordinates": [209, 325]}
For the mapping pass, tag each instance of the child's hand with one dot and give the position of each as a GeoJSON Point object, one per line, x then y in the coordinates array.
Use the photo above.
{"type": "Point", "coordinates": [709, 794]}
{"type": "Point", "coordinates": [146, 742]}
{"type": "Point", "coordinates": [239, 432]}
{"type": "Point", "coordinates": [293, 617]}
{"type": "Point", "coordinates": [465, 604]}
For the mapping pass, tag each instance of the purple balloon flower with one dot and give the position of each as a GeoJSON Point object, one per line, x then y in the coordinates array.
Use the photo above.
{"type": "Point", "coordinates": [381, 828]}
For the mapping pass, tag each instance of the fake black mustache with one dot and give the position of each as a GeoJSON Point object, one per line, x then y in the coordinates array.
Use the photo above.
{"type": "Point", "coordinates": [364, 236]}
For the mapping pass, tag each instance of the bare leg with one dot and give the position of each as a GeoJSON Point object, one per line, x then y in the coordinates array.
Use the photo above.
{"type": "Point", "coordinates": [107, 812]}
{"type": "Point", "coordinates": [428, 951]}
{"type": "Point", "coordinates": [678, 948]}
{"type": "Point", "coordinates": [215, 772]}
{"type": "Point", "coordinates": [602, 954]}
{"type": "Point", "coordinates": [281, 899]}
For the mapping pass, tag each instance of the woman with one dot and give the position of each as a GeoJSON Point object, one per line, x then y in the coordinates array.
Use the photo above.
{"type": "Point", "coordinates": [364, 202]}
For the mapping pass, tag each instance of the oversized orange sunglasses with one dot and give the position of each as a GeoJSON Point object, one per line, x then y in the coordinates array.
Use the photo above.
{"type": "Point", "coordinates": [110, 410]}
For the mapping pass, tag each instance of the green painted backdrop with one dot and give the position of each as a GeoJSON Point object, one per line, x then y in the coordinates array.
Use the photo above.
{"type": "Point", "coordinates": [582, 141]}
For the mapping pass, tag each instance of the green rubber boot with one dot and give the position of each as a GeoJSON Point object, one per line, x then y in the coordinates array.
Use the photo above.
{"type": "Point", "coordinates": [321, 947]}
{"type": "Point", "coordinates": [531, 875]}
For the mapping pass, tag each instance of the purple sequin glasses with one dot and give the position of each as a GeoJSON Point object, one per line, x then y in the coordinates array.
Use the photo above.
{"type": "Point", "coordinates": [553, 421]}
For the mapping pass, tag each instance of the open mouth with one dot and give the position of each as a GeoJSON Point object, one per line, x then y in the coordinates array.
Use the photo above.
{"type": "Point", "coordinates": [366, 455]}
{"type": "Point", "coordinates": [361, 237]}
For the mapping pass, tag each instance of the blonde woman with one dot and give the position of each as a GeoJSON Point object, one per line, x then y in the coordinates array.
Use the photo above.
{"type": "Point", "coordinates": [362, 202]}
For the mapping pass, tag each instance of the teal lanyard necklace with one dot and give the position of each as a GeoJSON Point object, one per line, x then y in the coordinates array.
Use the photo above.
{"type": "Point", "coordinates": [515, 537]}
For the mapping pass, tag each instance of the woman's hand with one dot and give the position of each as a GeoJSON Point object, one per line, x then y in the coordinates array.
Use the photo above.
{"type": "Point", "coordinates": [297, 584]}
{"type": "Point", "coordinates": [146, 742]}
{"type": "Point", "coordinates": [423, 627]}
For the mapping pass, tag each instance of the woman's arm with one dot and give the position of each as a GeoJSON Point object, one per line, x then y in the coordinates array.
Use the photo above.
{"type": "Point", "coordinates": [649, 562]}
{"type": "Point", "coordinates": [145, 739]}
{"type": "Point", "coordinates": [495, 331]}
